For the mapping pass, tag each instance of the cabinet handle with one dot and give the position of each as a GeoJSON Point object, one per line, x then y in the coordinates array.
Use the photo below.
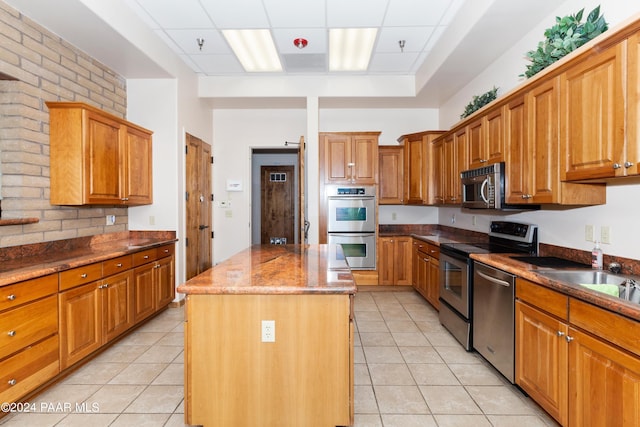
{"type": "Point", "coordinates": [124, 199]}
{"type": "Point", "coordinates": [119, 265]}
{"type": "Point", "coordinates": [11, 297]}
{"type": "Point", "coordinates": [628, 164]}
{"type": "Point", "coordinates": [527, 196]}
{"type": "Point", "coordinates": [166, 251]}
{"type": "Point", "coordinates": [146, 257]}
{"type": "Point", "coordinates": [568, 338]}
{"type": "Point", "coordinates": [483, 161]}
{"type": "Point", "coordinates": [560, 333]}
{"type": "Point", "coordinates": [106, 285]}
{"type": "Point", "coordinates": [616, 166]}
{"type": "Point", "coordinates": [83, 275]}
{"type": "Point", "coordinates": [12, 381]}
{"type": "Point", "coordinates": [11, 333]}
{"type": "Point", "coordinates": [433, 252]}
{"type": "Point", "coordinates": [156, 266]}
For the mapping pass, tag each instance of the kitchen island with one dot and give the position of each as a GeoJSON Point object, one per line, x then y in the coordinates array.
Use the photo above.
{"type": "Point", "coordinates": [269, 340]}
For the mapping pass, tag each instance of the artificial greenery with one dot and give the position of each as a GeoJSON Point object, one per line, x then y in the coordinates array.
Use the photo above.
{"type": "Point", "coordinates": [479, 101]}
{"type": "Point", "coordinates": [568, 34]}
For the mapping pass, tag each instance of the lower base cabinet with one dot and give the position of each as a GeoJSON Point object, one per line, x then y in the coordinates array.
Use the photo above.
{"type": "Point", "coordinates": [426, 271]}
{"type": "Point", "coordinates": [566, 362]}
{"type": "Point", "coordinates": [394, 263]}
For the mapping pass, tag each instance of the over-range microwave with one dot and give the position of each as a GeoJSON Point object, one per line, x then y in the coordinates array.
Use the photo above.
{"type": "Point", "coordinates": [484, 188]}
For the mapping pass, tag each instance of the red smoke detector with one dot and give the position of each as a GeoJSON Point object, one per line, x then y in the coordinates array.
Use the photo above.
{"type": "Point", "coordinates": [300, 43]}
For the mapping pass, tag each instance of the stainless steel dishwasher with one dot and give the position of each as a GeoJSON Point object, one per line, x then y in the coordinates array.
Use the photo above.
{"type": "Point", "coordinates": [493, 317]}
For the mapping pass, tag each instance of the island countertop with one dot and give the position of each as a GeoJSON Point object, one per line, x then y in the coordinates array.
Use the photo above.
{"type": "Point", "coordinates": [274, 269]}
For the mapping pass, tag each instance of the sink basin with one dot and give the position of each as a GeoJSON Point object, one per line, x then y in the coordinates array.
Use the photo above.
{"type": "Point", "coordinates": [597, 280]}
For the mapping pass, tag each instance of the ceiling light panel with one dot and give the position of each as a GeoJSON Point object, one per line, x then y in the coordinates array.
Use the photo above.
{"type": "Point", "coordinates": [350, 48]}
{"type": "Point", "coordinates": [254, 49]}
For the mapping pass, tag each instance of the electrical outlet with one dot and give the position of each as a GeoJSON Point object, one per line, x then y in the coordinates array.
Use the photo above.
{"type": "Point", "coordinates": [228, 213]}
{"type": "Point", "coordinates": [605, 234]}
{"type": "Point", "coordinates": [111, 219]}
{"type": "Point", "coordinates": [152, 220]}
{"type": "Point", "coordinates": [588, 233]}
{"type": "Point", "coordinates": [473, 220]}
{"type": "Point", "coordinates": [394, 216]}
{"type": "Point", "coordinates": [453, 218]}
{"type": "Point", "coordinates": [268, 331]}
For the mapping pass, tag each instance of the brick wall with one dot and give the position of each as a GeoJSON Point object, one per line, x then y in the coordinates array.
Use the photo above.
{"type": "Point", "coordinates": [46, 68]}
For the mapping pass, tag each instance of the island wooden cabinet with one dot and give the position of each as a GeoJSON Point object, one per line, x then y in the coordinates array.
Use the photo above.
{"type": "Point", "coordinates": [391, 175]}
{"type": "Point", "coordinates": [97, 158]}
{"type": "Point", "coordinates": [29, 342]}
{"type": "Point", "coordinates": [394, 260]}
{"type": "Point", "coordinates": [349, 157]}
{"type": "Point", "coordinates": [592, 117]}
{"type": "Point", "coordinates": [426, 271]}
{"type": "Point", "coordinates": [304, 378]}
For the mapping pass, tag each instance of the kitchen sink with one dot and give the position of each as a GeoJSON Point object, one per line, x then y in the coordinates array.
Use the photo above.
{"type": "Point", "coordinates": [617, 285]}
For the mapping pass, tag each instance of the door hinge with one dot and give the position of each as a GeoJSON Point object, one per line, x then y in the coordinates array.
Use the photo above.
{"type": "Point", "coordinates": [211, 159]}
{"type": "Point", "coordinates": [186, 196]}
{"type": "Point", "coordinates": [186, 242]}
{"type": "Point", "coordinates": [212, 234]}
{"type": "Point", "coordinates": [186, 149]}
{"type": "Point", "coordinates": [213, 199]}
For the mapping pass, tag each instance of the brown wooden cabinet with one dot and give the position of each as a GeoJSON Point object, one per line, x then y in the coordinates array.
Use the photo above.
{"type": "Point", "coordinates": [426, 271]}
{"type": "Point", "coordinates": [391, 175]}
{"type": "Point", "coordinates": [486, 139]}
{"type": "Point", "coordinates": [153, 281]}
{"type": "Point", "coordinates": [592, 117]}
{"type": "Point", "coordinates": [631, 160]}
{"type": "Point", "coordinates": [454, 160]}
{"type": "Point", "coordinates": [349, 157]}
{"type": "Point", "coordinates": [97, 158]}
{"type": "Point", "coordinates": [117, 304]}
{"type": "Point", "coordinates": [436, 174]}
{"type": "Point", "coordinates": [394, 260]}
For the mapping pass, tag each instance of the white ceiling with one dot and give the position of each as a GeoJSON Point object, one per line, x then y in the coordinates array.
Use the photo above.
{"type": "Point", "coordinates": [447, 42]}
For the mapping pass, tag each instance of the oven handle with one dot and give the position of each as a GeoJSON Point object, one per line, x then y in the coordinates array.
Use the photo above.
{"type": "Point", "coordinates": [365, 234]}
{"type": "Point", "coordinates": [351, 197]}
{"type": "Point", "coordinates": [494, 280]}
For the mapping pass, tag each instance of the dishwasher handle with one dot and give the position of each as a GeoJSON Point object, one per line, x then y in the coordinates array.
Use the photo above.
{"type": "Point", "coordinates": [493, 279]}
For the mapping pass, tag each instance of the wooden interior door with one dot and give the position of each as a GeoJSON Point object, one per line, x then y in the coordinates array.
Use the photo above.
{"type": "Point", "coordinates": [277, 204]}
{"type": "Point", "coordinates": [198, 201]}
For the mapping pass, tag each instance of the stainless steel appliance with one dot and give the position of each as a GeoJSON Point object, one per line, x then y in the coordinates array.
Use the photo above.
{"type": "Point", "coordinates": [484, 188]}
{"type": "Point", "coordinates": [493, 317]}
{"type": "Point", "coordinates": [351, 223]}
{"type": "Point", "coordinates": [456, 273]}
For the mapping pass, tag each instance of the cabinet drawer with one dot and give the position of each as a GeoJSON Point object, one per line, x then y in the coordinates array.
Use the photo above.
{"type": "Point", "coordinates": [612, 327]}
{"type": "Point", "coordinates": [545, 299]}
{"type": "Point", "coordinates": [28, 369]}
{"type": "Point", "coordinates": [116, 265]}
{"type": "Point", "coordinates": [27, 324]}
{"type": "Point", "coordinates": [433, 251]}
{"type": "Point", "coordinates": [80, 275]}
{"type": "Point", "coordinates": [166, 250]}
{"type": "Point", "coordinates": [144, 257]}
{"type": "Point", "coordinates": [29, 290]}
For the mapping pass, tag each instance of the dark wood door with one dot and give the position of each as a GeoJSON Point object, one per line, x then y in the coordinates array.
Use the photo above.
{"type": "Point", "coordinates": [277, 204]}
{"type": "Point", "coordinates": [198, 195]}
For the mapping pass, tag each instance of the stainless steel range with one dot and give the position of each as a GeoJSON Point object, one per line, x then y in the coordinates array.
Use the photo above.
{"type": "Point", "coordinates": [351, 223]}
{"type": "Point", "coordinates": [457, 272]}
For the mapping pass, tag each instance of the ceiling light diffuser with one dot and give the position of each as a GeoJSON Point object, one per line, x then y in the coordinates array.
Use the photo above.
{"type": "Point", "coordinates": [350, 48]}
{"type": "Point", "coordinates": [254, 49]}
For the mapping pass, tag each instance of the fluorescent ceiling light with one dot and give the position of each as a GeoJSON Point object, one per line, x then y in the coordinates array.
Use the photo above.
{"type": "Point", "coordinates": [254, 49]}
{"type": "Point", "coordinates": [350, 48]}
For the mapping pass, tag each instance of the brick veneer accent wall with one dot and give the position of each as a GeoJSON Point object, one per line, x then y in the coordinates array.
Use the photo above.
{"type": "Point", "coordinates": [46, 68]}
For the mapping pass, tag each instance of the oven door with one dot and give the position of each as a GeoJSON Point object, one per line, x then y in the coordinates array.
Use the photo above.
{"type": "Point", "coordinates": [479, 192]}
{"type": "Point", "coordinates": [454, 283]}
{"type": "Point", "coordinates": [351, 215]}
{"type": "Point", "coordinates": [359, 249]}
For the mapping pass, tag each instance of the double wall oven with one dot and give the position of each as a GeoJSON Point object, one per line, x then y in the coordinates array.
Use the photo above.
{"type": "Point", "coordinates": [351, 223]}
{"type": "Point", "coordinates": [457, 272]}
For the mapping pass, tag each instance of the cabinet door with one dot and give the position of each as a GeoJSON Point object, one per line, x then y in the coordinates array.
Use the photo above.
{"type": "Point", "coordinates": [415, 177]}
{"type": "Point", "coordinates": [541, 359]}
{"type": "Point", "coordinates": [448, 156]}
{"type": "Point", "coordinates": [390, 168]}
{"type": "Point", "coordinates": [364, 159]}
{"type": "Point", "coordinates": [433, 282]}
{"type": "Point", "coordinates": [80, 323]}
{"type": "Point", "coordinates": [143, 291]}
{"type": "Point", "coordinates": [423, 274]}
{"type": "Point", "coordinates": [137, 167]}
{"type": "Point", "coordinates": [337, 156]}
{"type": "Point", "coordinates": [477, 144]}
{"type": "Point", "coordinates": [402, 261]}
{"type": "Point", "coordinates": [415, 258]}
{"type": "Point", "coordinates": [117, 304]}
{"type": "Point", "coordinates": [164, 282]}
{"type": "Point", "coordinates": [386, 261]}
{"type": "Point", "coordinates": [543, 142]}
{"type": "Point", "coordinates": [604, 383]}
{"type": "Point", "coordinates": [593, 117]}
{"type": "Point", "coordinates": [632, 161]}
{"type": "Point", "coordinates": [437, 189]}
{"type": "Point", "coordinates": [102, 157]}
{"type": "Point", "coordinates": [495, 138]}
{"type": "Point", "coordinates": [517, 164]}
{"type": "Point", "coordinates": [456, 160]}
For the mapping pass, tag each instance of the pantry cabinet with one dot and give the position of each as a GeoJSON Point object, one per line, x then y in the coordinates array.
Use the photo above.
{"type": "Point", "coordinates": [349, 157]}
{"type": "Point", "coordinates": [394, 260]}
{"type": "Point", "coordinates": [390, 168]}
{"type": "Point", "coordinates": [97, 158]}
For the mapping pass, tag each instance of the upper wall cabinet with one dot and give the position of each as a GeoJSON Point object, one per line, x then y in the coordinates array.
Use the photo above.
{"type": "Point", "coordinates": [349, 157]}
{"type": "Point", "coordinates": [390, 170]}
{"type": "Point", "coordinates": [97, 158]}
{"type": "Point", "coordinates": [417, 155]}
{"type": "Point", "coordinates": [592, 117]}
{"type": "Point", "coordinates": [486, 139]}
{"type": "Point", "coordinates": [631, 160]}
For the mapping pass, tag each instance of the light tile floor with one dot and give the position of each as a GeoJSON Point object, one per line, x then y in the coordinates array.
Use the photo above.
{"type": "Point", "coordinates": [409, 372]}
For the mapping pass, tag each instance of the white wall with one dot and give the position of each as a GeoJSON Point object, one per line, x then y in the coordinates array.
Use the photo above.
{"type": "Point", "coordinates": [563, 227]}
